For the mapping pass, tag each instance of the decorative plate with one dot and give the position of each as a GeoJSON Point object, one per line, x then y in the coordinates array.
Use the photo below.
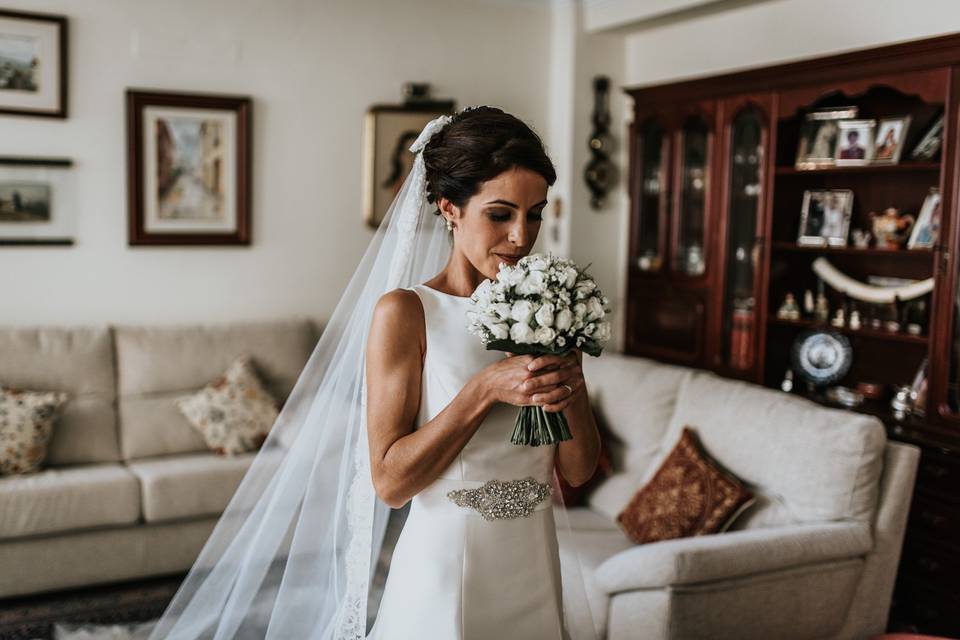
{"type": "Point", "coordinates": [821, 357]}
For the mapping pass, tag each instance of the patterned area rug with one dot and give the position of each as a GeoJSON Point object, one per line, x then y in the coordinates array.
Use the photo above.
{"type": "Point", "coordinates": [129, 610]}
{"type": "Point", "coordinates": [116, 609]}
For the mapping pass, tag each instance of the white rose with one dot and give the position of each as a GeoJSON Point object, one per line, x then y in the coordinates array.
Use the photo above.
{"type": "Point", "coordinates": [588, 330]}
{"type": "Point", "coordinates": [544, 314]}
{"type": "Point", "coordinates": [521, 333]}
{"type": "Point", "coordinates": [544, 335]}
{"type": "Point", "coordinates": [484, 293]}
{"type": "Point", "coordinates": [579, 311]}
{"type": "Point", "coordinates": [500, 330]}
{"type": "Point", "coordinates": [563, 320]}
{"type": "Point", "coordinates": [594, 308]}
{"type": "Point", "coordinates": [502, 310]}
{"type": "Point", "coordinates": [535, 282]}
{"type": "Point", "coordinates": [603, 331]}
{"type": "Point", "coordinates": [571, 277]}
{"type": "Point", "coordinates": [522, 311]}
{"type": "Point", "coordinates": [538, 263]}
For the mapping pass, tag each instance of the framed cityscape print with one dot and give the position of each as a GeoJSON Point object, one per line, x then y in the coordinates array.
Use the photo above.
{"type": "Point", "coordinates": [36, 201]}
{"type": "Point", "coordinates": [33, 64]}
{"type": "Point", "coordinates": [188, 168]}
{"type": "Point", "coordinates": [388, 132]}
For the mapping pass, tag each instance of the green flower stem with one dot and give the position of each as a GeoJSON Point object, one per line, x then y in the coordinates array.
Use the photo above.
{"type": "Point", "coordinates": [534, 427]}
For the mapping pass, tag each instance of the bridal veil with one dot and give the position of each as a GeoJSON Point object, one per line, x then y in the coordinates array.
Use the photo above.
{"type": "Point", "coordinates": [295, 550]}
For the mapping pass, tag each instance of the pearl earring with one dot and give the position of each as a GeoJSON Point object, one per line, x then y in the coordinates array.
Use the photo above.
{"type": "Point", "coordinates": [449, 225]}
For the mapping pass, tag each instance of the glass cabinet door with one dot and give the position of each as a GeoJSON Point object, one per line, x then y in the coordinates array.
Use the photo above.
{"type": "Point", "coordinates": [652, 193]}
{"type": "Point", "coordinates": [742, 251]}
{"type": "Point", "coordinates": [688, 254]}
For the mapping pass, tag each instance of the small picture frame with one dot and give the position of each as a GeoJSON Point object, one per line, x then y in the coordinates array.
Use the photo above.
{"type": "Point", "coordinates": [929, 145]}
{"type": "Point", "coordinates": [33, 64]}
{"type": "Point", "coordinates": [891, 133]}
{"type": "Point", "coordinates": [36, 201]}
{"type": "Point", "coordinates": [188, 168]}
{"type": "Point", "coordinates": [388, 132]}
{"type": "Point", "coordinates": [926, 231]}
{"type": "Point", "coordinates": [854, 142]}
{"type": "Point", "coordinates": [825, 217]}
{"type": "Point", "coordinates": [818, 137]}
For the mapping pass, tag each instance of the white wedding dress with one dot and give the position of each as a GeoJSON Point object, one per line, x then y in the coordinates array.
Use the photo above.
{"type": "Point", "coordinates": [454, 574]}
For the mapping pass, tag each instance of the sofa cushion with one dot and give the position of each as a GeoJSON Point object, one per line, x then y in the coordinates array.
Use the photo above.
{"type": "Point", "coordinates": [79, 361]}
{"type": "Point", "coordinates": [26, 424]}
{"type": "Point", "coordinates": [234, 413]}
{"type": "Point", "coordinates": [169, 484]}
{"type": "Point", "coordinates": [633, 399]}
{"type": "Point", "coordinates": [807, 462]}
{"type": "Point", "coordinates": [689, 495]}
{"type": "Point", "coordinates": [68, 498]}
{"type": "Point", "coordinates": [157, 364]}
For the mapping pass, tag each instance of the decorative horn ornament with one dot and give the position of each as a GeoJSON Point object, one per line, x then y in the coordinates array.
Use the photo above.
{"type": "Point", "coordinates": [866, 292]}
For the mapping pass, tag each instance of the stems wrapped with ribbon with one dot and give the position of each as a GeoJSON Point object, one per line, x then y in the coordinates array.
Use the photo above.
{"type": "Point", "coordinates": [540, 305]}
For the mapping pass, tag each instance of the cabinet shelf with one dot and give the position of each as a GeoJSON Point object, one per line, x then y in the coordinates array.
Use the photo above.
{"type": "Point", "coordinates": [791, 247]}
{"type": "Point", "coordinates": [905, 167]}
{"type": "Point", "coordinates": [866, 332]}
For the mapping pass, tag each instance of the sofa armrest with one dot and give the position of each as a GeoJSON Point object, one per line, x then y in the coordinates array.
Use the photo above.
{"type": "Point", "coordinates": [731, 555]}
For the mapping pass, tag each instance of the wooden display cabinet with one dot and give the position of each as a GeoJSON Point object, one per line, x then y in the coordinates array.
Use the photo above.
{"type": "Point", "coordinates": [715, 213]}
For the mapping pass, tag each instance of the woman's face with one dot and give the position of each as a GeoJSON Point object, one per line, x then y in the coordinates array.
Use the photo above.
{"type": "Point", "coordinates": [501, 222]}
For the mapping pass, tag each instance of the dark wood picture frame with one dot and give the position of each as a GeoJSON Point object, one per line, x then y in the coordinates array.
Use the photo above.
{"type": "Point", "coordinates": [62, 60]}
{"type": "Point", "coordinates": [399, 138]}
{"type": "Point", "coordinates": [136, 101]}
{"type": "Point", "coordinates": [54, 240]}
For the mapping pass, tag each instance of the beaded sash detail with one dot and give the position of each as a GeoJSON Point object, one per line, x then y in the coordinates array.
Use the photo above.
{"type": "Point", "coordinates": [498, 499]}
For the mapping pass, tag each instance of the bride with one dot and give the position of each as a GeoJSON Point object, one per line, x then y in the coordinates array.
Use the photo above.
{"type": "Point", "coordinates": [400, 404]}
{"type": "Point", "coordinates": [441, 408]}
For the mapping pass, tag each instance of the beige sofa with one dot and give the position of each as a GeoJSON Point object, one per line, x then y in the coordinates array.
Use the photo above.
{"type": "Point", "coordinates": [133, 492]}
{"type": "Point", "coordinates": [131, 489]}
{"type": "Point", "coordinates": [816, 557]}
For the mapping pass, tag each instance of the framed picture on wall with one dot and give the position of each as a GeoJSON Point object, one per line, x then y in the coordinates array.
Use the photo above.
{"type": "Point", "coordinates": [388, 132]}
{"type": "Point", "coordinates": [36, 201]}
{"type": "Point", "coordinates": [33, 64]}
{"type": "Point", "coordinates": [188, 168]}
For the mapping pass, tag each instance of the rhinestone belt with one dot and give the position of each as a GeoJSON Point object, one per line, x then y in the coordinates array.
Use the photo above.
{"type": "Point", "coordinates": [498, 499]}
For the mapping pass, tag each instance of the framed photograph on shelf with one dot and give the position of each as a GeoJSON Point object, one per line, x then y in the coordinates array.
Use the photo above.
{"type": "Point", "coordinates": [927, 228]}
{"type": "Point", "coordinates": [388, 132]}
{"type": "Point", "coordinates": [818, 137]}
{"type": "Point", "coordinates": [929, 145]}
{"type": "Point", "coordinates": [891, 132]}
{"type": "Point", "coordinates": [188, 168]}
{"type": "Point", "coordinates": [36, 201]}
{"type": "Point", "coordinates": [33, 64]}
{"type": "Point", "coordinates": [854, 142]}
{"type": "Point", "coordinates": [825, 217]}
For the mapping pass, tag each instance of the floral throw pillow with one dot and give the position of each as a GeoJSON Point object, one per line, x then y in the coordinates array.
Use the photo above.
{"type": "Point", "coordinates": [26, 426]}
{"type": "Point", "coordinates": [689, 495]}
{"type": "Point", "coordinates": [234, 413]}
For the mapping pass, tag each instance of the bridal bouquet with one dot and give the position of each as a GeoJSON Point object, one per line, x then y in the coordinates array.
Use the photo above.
{"type": "Point", "coordinates": [540, 305]}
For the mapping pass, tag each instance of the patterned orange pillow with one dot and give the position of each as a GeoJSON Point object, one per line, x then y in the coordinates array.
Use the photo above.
{"type": "Point", "coordinates": [690, 495]}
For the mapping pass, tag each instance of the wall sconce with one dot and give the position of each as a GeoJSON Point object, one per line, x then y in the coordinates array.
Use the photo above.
{"type": "Point", "coordinates": [599, 170]}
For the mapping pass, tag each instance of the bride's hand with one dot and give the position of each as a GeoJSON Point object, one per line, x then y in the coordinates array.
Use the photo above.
{"type": "Point", "coordinates": [502, 381]}
{"type": "Point", "coordinates": [558, 380]}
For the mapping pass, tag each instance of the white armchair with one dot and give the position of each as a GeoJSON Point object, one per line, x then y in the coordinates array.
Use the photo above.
{"type": "Point", "coordinates": [815, 557]}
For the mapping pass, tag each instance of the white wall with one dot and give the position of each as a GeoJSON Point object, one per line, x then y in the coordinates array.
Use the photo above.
{"type": "Point", "coordinates": [312, 69]}
{"type": "Point", "coordinates": [743, 35]}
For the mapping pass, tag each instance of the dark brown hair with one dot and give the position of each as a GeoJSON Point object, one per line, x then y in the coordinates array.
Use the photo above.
{"type": "Point", "coordinates": [477, 145]}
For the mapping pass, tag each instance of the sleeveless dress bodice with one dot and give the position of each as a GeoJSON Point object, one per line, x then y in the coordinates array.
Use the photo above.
{"type": "Point", "coordinates": [454, 574]}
